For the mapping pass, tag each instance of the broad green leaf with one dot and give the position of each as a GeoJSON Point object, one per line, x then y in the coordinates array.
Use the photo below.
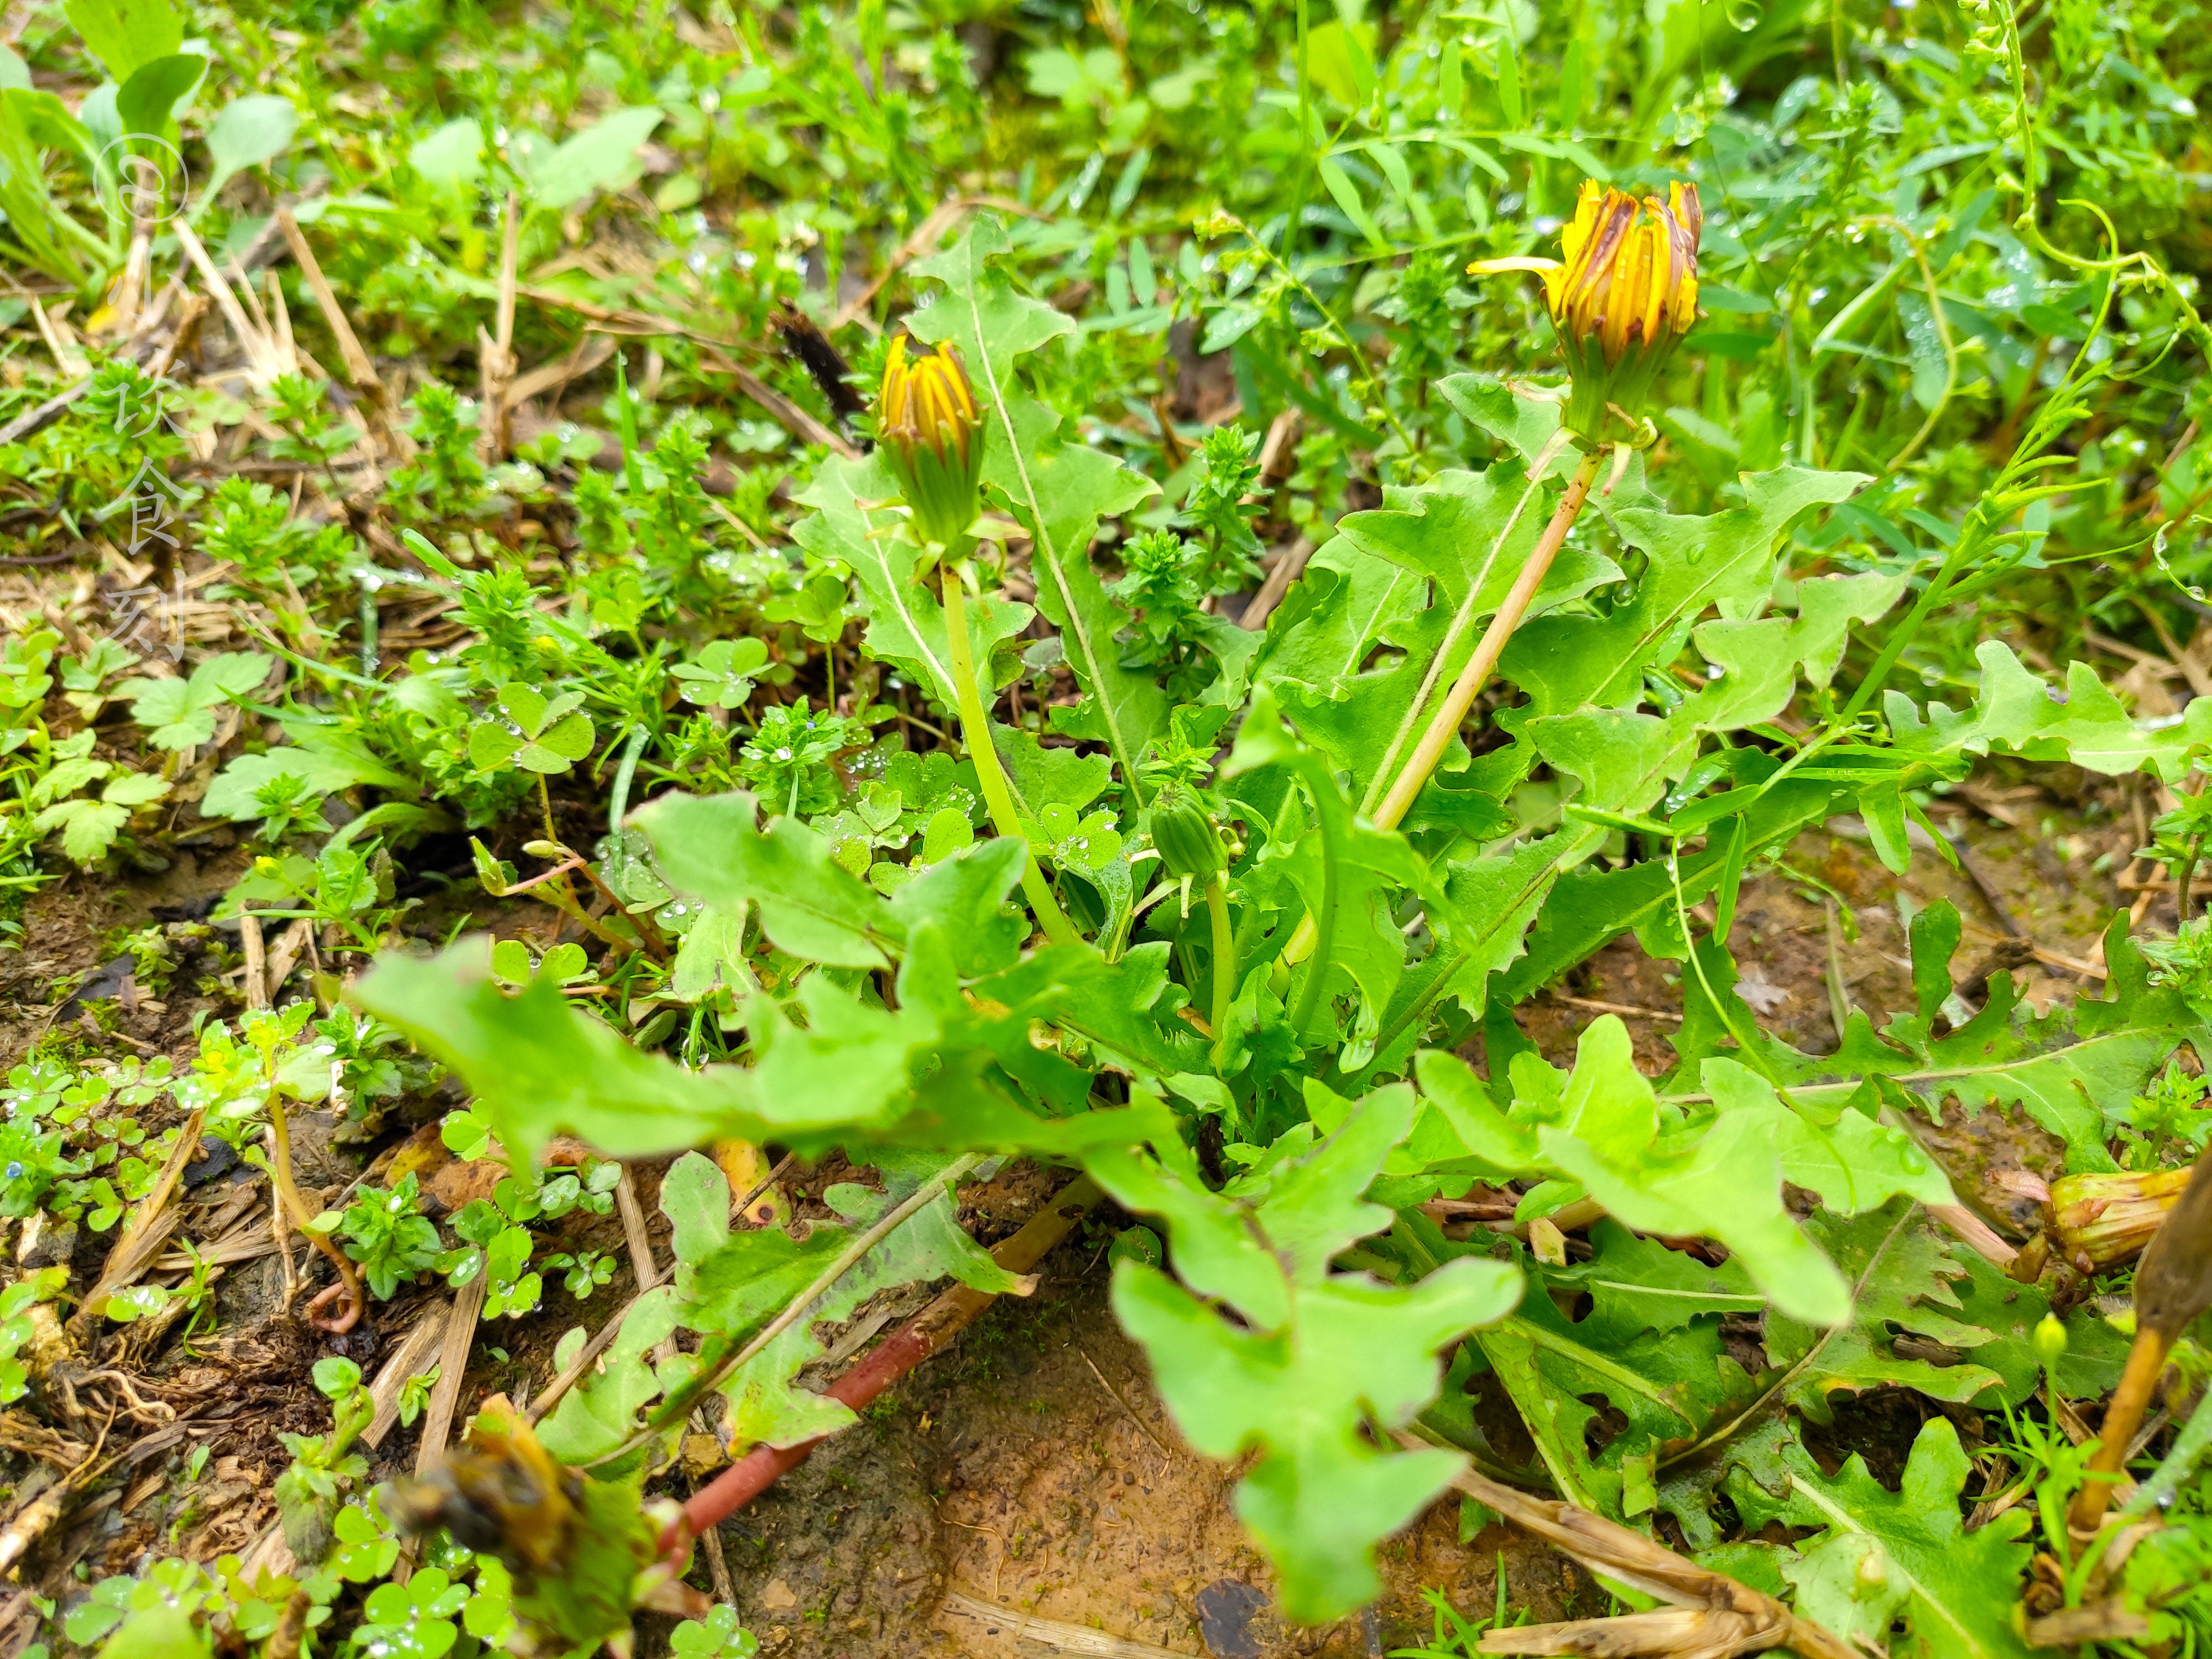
{"type": "Point", "coordinates": [600, 157]}
{"type": "Point", "coordinates": [1724, 560]}
{"type": "Point", "coordinates": [2066, 1068]}
{"type": "Point", "coordinates": [712, 849]}
{"type": "Point", "coordinates": [1591, 907]}
{"type": "Point", "coordinates": [965, 896]}
{"type": "Point", "coordinates": [696, 1197]}
{"type": "Point", "coordinates": [246, 133]}
{"type": "Point", "coordinates": [126, 33]}
{"type": "Point", "coordinates": [600, 1413]}
{"type": "Point", "coordinates": [1653, 1353]}
{"type": "Point", "coordinates": [89, 827]}
{"type": "Point", "coordinates": [2018, 712]}
{"type": "Point", "coordinates": [1637, 1285]}
{"type": "Point", "coordinates": [146, 100]}
{"type": "Point", "coordinates": [1318, 1355]}
{"type": "Point", "coordinates": [1322, 1496]}
{"type": "Point", "coordinates": [1332, 617]}
{"type": "Point", "coordinates": [1603, 1128]}
{"type": "Point", "coordinates": [766, 1405]}
{"type": "Point", "coordinates": [542, 1068]}
{"type": "Point", "coordinates": [1366, 944]}
{"type": "Point", "coordinates": [1040, 776]}
{"type": "Point", "coordinates": [1954, 1588]}
{"type": "Point", "coordinates": [160, 1632]}
{"type": "Point", "coordinates": [1903, 1274]}
{"type": "Point", "coordinates": [179, 713]}
{"type": "Point", "coordinates": [324, 759]}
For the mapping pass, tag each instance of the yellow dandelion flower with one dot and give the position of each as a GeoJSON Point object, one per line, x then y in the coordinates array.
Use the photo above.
{"type": "Point", "coordinates": [932, 438]}
{"type": "Point", "coordinates": [1622, 297]}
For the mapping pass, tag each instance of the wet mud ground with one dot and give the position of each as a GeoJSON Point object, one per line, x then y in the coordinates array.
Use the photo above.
{"type": "Point", "coordinates": [1030, 1474]}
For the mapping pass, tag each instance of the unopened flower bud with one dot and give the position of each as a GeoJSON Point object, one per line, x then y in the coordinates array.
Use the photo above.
{"type": "Point", "coordinates": [2050, 1341]}
{"type": "Point", "coordinates": [933, 438]}
{"type": "Point", "coordinates": [1188, 844]}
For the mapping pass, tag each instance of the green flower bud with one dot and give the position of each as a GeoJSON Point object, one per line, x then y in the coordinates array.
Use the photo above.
{"type": "Point", "coordinates": [2050, 1341]}
{"type": "Point", "coordinates": [1184, 835]}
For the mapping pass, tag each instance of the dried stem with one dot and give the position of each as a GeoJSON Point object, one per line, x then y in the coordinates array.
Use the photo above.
{"type": "Point", "coordinates": [288, 1194]}
{"type": "Point", "coordinates": [1445, 723]}
{"type": "Point", "coordinates": [2145, 1360]}
{"type": "Point", "coordinates": [1714, 1613]}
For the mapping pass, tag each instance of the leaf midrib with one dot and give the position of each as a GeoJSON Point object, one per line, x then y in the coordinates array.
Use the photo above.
{"type": "Point", "coordinates": [1075, 625]}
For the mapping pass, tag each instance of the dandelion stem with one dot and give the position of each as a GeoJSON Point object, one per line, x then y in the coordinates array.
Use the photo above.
{"type": "Point", "coordinates": [976, 727]}
{"type": "Point", "coordinates": [1445, 721]}
{"type": "Point", "coordinates": [1462, 617]}
{"type": "Point", "coordinates": [1224, 966]}
{"type": "Point", "coordinates": [1452, 709]}
{"type": "Point", "coordinates": [1323, 922]}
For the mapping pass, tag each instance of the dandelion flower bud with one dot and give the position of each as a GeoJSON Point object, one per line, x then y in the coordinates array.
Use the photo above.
{"type": "Point", "coordinates": [1622, 298]}
{"type": "Point", "coordinates": [1189, 846]}
{"type": "Point", "coordinates": [2050, 1341]}
{"type": "Point", "coordinates": [933, 437]}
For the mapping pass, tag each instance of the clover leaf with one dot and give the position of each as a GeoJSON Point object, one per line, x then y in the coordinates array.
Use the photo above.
{"type": "Point", "coordinates": [1060, 834]}
{"type": "Point", "coordinates": [717, 1636]}
{"type": "Point", "coordinates": [723, 674]}
{"type": "Point", "coordinates": [529, 730]}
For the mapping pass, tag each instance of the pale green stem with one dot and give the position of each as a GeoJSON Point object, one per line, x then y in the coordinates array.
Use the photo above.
{"type": "Point", "coordinates": [1224, 966]}
{"type": "Point", "coordinates": [1445, 723]}
{"type": "Point", "coordinates": [976, 727]}
{"type": "Point", "coordinates": [1324, 925]}
{"type": "Point", "coordinates": [1461, 618]}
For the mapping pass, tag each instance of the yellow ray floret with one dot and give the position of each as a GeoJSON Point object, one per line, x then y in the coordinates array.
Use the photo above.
{"type": "Point", "coordinates": [932, 438]}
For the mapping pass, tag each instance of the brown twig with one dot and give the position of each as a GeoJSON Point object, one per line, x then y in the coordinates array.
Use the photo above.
{"type": "Point", "coordinates": [2174, 1284]}
{"type": "Point", "coordinates": [255, 982]}
{"type": "Point", "coordinates": [1288, 566]}
{"type": "Point", "coordinates": [925, 237]}
{"type": "Point", "coordinates": [288, 1194]}
{"type": "Point", "coordinates": [1443, 725]}
{"type": "Point", "coordinates": [1051, 1635]}
{"type": "Point", "coordinates": [453, 1367]}
{"type": "Point", "coordinates": [1711, 1614]}
{"type": "Point", "coordinates": [359, 370]}
{"type": "Point", "coordinates": [495, 362]}
{"type": "Point", "coordinates": [788, 414]}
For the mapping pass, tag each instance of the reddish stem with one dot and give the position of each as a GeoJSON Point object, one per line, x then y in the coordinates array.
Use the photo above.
{"type": "Point", "coordinates": [921, 1336]}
